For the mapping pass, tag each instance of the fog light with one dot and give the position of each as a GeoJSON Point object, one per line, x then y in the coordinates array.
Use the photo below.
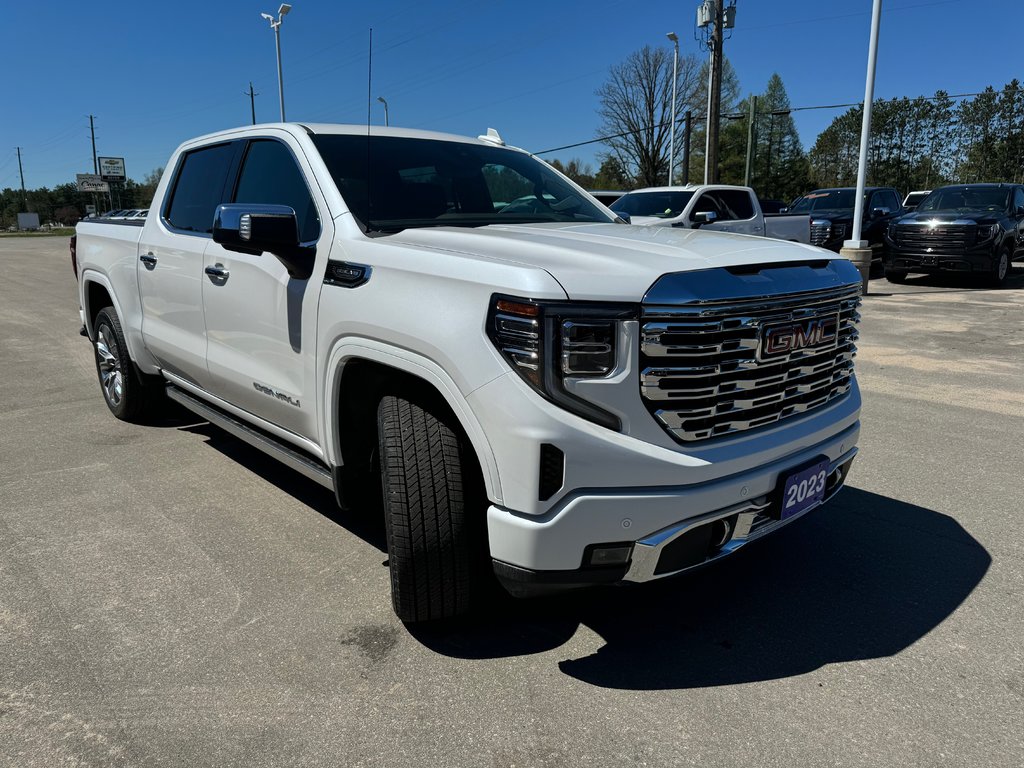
{"type": "Point", "coordinates": [608, 554]}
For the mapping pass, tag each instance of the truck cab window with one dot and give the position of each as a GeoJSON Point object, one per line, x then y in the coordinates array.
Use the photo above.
{"type": "Point", "coordinates": [199, 188]}
{"type": "Point", "coordinates": [271, 176]}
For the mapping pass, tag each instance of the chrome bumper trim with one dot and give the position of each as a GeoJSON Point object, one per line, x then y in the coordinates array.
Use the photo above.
{"type": "Point", "coordinates": [751, 524]}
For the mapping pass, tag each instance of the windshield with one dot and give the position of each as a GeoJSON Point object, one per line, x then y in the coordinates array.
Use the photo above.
{"type": "Point", "coordinates": [435, 183]}
{"type": "Point", "coordinates": [664, 205]}
{"type": "Point", "coordinates": [963, 199]}
{"type": "Point", "coordinates": [825, 200]}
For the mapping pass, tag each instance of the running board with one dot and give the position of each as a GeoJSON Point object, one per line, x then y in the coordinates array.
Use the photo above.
{"type": "Point", "coordinates": [254, 437]}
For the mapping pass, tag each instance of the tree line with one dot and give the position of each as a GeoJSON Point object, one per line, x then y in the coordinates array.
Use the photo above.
{"type": "Point", "coordinates": [916, 143]}
{"type": "Point", "coordinates": [65, 205]}
{"type": "Point", "coordinates": [926, 142]}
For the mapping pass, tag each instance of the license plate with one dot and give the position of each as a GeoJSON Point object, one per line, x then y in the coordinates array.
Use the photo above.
{"type": "Point", "coordinates": [804, 489]}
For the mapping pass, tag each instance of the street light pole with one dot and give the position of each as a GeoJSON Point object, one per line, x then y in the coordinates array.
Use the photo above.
{"type": "Point", "coordinates": [672, 134]}
{"type": "Point", "coordinates": [857, 249]}
{"type": "Point", "coordinates": [387, 120]}
{"type": "Point", "coordinates": [275, 24]}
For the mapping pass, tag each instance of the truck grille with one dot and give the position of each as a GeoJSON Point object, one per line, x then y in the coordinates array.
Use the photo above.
{"type": "Point", "coordinates": [943, 238]}
{"type": "Point", "coordinates": [705, 371]}
{"type": "Point", "coordinates": [820, 232]}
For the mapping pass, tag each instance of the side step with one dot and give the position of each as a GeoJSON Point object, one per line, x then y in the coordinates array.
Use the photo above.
{"type": "Point", "coordinates": [307, 466]}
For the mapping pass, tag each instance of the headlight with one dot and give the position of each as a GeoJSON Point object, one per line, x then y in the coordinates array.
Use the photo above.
{"type": "Point", "coordinates": [891, 230]}
{"type": "Point", "coordinates": [838, 231]}
{"type": "Point", "coordinates": [551, 343]}
{"type": "Point", "coordinates": [987, 231]}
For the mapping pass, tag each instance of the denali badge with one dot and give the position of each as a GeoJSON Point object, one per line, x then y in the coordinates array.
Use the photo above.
{"type": "Point", "coordinates": [819, 333]}
{"type": "Point", "coordinates": [279, 395]}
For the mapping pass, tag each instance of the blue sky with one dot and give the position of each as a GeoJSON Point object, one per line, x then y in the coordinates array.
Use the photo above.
{"type": "Point", "coordinates": [155, 74]}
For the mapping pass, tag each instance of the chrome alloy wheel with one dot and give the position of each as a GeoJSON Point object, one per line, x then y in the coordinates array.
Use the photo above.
{"type": "Point", "coordinates": [109, 364]}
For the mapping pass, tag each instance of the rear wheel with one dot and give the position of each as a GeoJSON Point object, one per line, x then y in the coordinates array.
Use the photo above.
{"type": "Point", "coordinates": [428, 511]}
{"type": "Point", "coordinates": [130, 396]}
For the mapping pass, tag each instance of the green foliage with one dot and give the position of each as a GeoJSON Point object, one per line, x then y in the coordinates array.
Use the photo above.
{"type": "Point", "coordinates": [924, 143]}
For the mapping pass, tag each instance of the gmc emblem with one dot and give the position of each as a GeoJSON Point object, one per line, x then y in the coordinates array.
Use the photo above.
{"type": "Point", "coordinates": [781, 339]}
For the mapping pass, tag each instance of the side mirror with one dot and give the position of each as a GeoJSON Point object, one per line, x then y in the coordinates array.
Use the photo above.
{"type": "Point", "coordinates": [877, 213]}
{"type": "Point", "coordinates": [704, 217]}
{"type": "Point", "coordinates": [625, 217]}
{"type": "Point", "coordinates": [253, 228]}
{"type": "Point", "coordinates": [784, 209]}
{"type": "Point", "coordinates": [1019, 210]}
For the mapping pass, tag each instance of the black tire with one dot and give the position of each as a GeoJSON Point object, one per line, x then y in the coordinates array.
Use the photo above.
{"type": "Point", "coordinates": [427, 508]}
{"type": "Point", "coordinates": [129, 395]}
{"type": "Point", "coordinates": [1001, 267]}
{"type": "Point", "coordinates": [895, 276]}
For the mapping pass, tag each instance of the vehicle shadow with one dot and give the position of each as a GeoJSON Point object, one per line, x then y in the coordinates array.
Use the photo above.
{"type": "Point", "coordinates": [864, 577]}
{"type": "Point", "coordinates": [955, 283]}
{"type": "Point", "coordinates": [368, 525]}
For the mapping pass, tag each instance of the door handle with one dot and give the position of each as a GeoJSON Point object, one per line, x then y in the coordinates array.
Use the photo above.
{"type": "Point", "coordinates": [148, 259]}
{"type": "Point", "coordinates": [218, 271]}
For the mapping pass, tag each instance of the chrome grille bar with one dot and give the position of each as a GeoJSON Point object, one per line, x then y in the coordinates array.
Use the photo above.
{"type": "Point", "coordinates": [700, 372]}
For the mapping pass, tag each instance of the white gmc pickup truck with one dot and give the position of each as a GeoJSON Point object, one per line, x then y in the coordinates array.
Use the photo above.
{"type": "Point", "coordinates": [542, 391]}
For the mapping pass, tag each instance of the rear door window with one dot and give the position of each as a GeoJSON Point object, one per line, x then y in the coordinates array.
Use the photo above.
{"type": "Point", "coordinates": [199, 188]}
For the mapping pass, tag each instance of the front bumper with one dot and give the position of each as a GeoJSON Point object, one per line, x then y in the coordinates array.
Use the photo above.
{"type": "Point", "coordinates": [910, 261]}
{"type": "Point", "coordinates": [663, 527]}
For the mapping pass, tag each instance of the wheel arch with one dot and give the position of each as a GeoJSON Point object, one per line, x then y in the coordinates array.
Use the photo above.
{"type": "Point", "coordinates": [358, 372]}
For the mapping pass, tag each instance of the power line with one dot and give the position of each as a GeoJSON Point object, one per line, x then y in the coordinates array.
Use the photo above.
{"type": "Point", "coordinates": [698, 118]}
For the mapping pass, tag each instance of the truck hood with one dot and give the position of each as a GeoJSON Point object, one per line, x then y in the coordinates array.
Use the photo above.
{"type": "Point", "coordinates": [951, 217]}
{"type": "Point", "coordinates": [606, 262]}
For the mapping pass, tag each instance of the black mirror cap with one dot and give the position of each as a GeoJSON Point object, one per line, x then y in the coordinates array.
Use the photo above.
{"type": "Point", "coordinates": [256, 228]}
{"type": "Point", "coordinates": [1019, 210]}
{"type": "Point", "coordinates": [623, 218]}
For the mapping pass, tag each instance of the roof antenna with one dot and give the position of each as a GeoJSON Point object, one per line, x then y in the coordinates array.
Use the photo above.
{"type": "Point", "coordinates": [369, 106]}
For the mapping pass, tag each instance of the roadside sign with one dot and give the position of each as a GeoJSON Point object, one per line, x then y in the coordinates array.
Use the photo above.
{"type": "Point", "coordinates": [111, 168]}
{"type": "Point", "coordinates": [91, 182]}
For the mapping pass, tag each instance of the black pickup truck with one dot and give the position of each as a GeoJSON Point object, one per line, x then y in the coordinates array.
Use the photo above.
{"type": "Point", "coordinates": [831, 212]}
{"type": "Point", "coordinates": [968, 228]}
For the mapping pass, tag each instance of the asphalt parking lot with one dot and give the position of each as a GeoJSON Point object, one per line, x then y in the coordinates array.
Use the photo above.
{"type": "Point", "coordinates": [170, 597]}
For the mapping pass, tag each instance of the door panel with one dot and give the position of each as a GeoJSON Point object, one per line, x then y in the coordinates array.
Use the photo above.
{"type": "Point", "coordinates": [261, 323]}
{"type": "Point", "coordinates": [258, 321]}
{"type": "Point", "coordinates": [172, 302]}
{"type": "Point", "coordinates": [173, 244]}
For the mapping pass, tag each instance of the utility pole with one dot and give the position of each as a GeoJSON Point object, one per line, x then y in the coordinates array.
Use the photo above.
{"type": "Point", "coordinates": [92, 132]}
{"type": "Point", "coordinates": [24, 196]}
{"type": "Point", "coordinates": [252, 102]}
{"type": "Point", "coordinates": [750, 141]}
{"type": "Point", "coordinates": [686, 148]}
{"type": "Point", "coordinates": [713, 14]}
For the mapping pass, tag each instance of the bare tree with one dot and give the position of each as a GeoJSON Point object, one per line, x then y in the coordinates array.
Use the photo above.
{"type": "Point", "coordinates": [636, 109]}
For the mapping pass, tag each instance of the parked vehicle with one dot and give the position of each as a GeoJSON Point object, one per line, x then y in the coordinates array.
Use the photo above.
{"type": "Point", "coordinates": [773, 206]}
{"type": "Point", "coordinates": [831, 212]}
{"type": "Point", "coordinates": [913, 199]}
{"type": "Point", "coordinates": [715, 207]}
{"type": "Point", "coordinates": [606, 196]}
{"type": "Point", "coordinates": [543, 393]}
{"type": "Point", "coordinates": [970, 228]}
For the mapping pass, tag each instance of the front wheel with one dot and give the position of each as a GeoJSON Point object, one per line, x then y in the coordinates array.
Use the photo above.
{"type": "Point", "coordinates": [1000, 268]}
{"type": "Point", "coordinates": [128, 395]}
{"type": "Point", "coordinates": [428, 509]}
{"type": "Point", "coordinates": [895, 276]}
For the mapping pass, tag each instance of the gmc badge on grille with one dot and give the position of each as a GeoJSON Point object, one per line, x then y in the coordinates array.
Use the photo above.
{"type": "Point", "coordinates": [818, 333]}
